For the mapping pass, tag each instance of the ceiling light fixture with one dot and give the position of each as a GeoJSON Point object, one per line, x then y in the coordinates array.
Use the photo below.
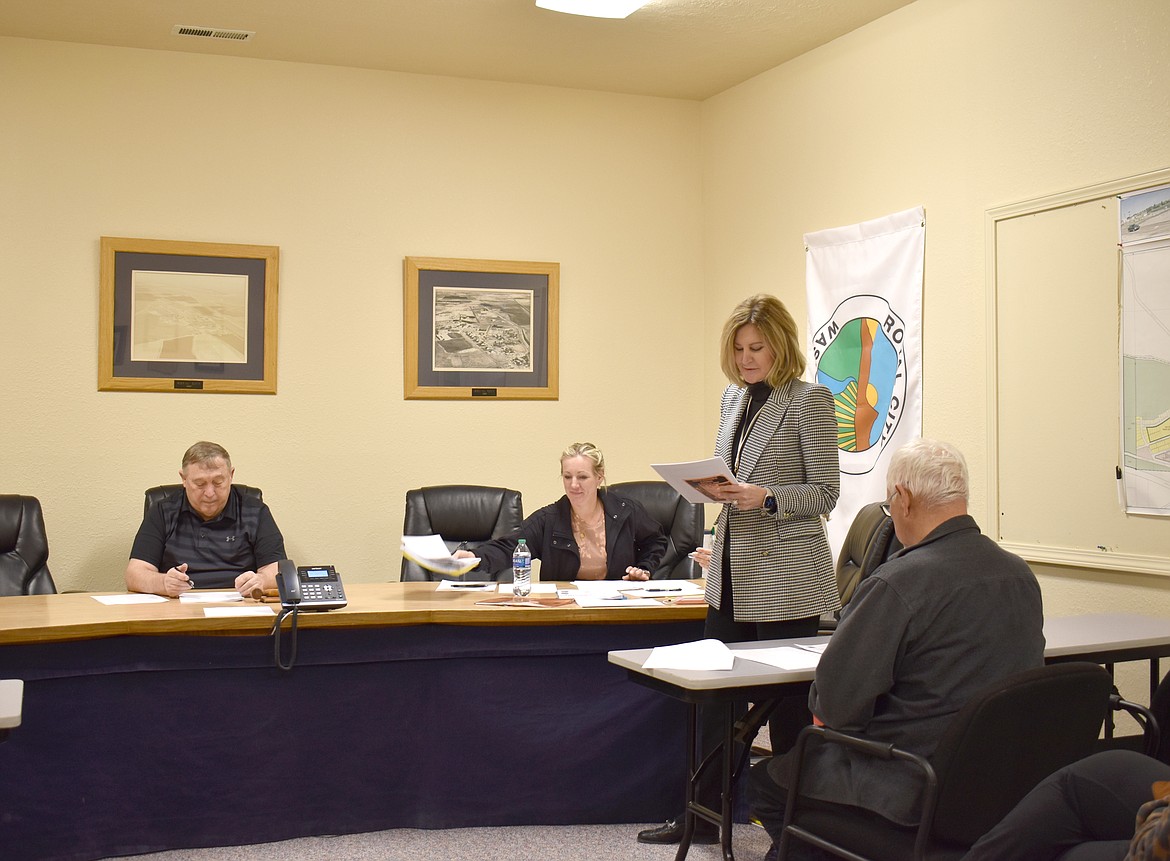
{"type": "Point", "coordinates": [594, 8]}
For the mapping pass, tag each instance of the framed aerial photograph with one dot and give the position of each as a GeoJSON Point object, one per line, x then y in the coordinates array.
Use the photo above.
{"type": "Point", "coordinates": [187, 317]}
{"type": "Point", "coordinates": [480, 329]}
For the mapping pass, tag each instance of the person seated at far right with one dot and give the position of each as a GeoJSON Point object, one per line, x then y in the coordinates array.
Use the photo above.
{"type": "Point", "coordinates": [1086, 812]}
{"type": "Point", "coordinates": [948, 615]}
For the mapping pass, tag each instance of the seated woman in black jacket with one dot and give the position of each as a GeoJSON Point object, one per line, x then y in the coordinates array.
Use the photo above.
{"type": "Point", "coordinates": [587, 534]}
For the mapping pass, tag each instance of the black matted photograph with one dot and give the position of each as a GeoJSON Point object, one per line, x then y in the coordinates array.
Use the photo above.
{"type": "Point", "coordinates": [483, 329]}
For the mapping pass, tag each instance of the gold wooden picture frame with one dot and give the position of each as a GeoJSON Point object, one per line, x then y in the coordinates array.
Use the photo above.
{"type": "Point", "coordinates": [187, 317]}
{"type": "Point", "coordinates": [480, 329]}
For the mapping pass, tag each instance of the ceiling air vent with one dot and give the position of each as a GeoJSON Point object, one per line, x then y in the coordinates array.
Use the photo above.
{"type": "Point", "coordinates": [213, 33]}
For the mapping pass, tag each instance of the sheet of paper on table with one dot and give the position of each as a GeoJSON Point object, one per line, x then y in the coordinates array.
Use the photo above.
{"type": "Point", "coordinates": [537, 589]}
{"type": "Point", "coordinates": [210, 597]}
{"type": "Point", "coordinates": [785, 657]}
{"type": "Point", "coordinates": [617, 600]}
{"type": "Point", "coordinates": [665, 589]}
{"type": "Point", "coordinates": [247, 610]}
{"type": "Point", "coordinates": [699, 655]}
{"type": "Point", "coordinates": [608, 587]}
{"type": "Point", "coordinates": [131, 598]}
{"type": "Point", "coordinates": [465, 586]}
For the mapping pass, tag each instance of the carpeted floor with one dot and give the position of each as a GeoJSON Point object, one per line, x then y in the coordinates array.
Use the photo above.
{"type": "Point", "coordinates": [549, 843]}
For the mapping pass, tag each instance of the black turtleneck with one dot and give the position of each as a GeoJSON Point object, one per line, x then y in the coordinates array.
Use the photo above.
{"type": "Point", "coordinates": [757, 394]}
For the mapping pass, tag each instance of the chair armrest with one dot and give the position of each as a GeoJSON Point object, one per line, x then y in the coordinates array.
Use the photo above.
{"type": "Point", "coordinates": [867, 747]}
{"type": "Point", "coordinates": [1151, 732]}
{"type": "Point", "coordinates": [878, 749]}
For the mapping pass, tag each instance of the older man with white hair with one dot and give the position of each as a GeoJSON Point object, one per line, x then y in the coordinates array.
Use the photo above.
{"type": "Point", "coordinates": [948, 615]}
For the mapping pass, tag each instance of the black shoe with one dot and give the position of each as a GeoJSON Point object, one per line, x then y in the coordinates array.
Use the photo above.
{"type": "Point", "coordinates": [672, 831]}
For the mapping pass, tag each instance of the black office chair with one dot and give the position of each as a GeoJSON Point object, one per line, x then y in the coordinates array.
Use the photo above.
{"type": "Point", "coordinates": [869, 542]}
{"type": "Point", "coordinates": [162, 491]}
{"type": "Point", "coordinates": [24, 547]}
{"type": "Point", "coordinates": [1001, 744]}
{"type": "Point", "coordinates": [465, 515]}
{"type": "Point", "coordinates": [1160, 710]}
{"type": "Point", "coordinates": [681, 521]}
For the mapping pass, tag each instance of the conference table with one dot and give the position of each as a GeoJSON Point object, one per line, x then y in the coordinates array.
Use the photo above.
{"type": "Point", "coordinates": [154, 726]}
{"type": "Point", "coordinates": [1107, 638]}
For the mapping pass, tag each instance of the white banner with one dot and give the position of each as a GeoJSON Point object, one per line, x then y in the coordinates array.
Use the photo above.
{"type": "Point", "coordinates": [864, 287]}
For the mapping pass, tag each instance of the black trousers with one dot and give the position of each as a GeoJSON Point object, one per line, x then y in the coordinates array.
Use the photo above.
{"type": "Point", "coordinates": [791, 714]}
{"type": "Point", "coordinates": [1084, 812]}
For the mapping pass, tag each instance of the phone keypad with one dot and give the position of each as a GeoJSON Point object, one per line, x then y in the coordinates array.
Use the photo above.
{"type": "Point", "coordinates": [321, 592]}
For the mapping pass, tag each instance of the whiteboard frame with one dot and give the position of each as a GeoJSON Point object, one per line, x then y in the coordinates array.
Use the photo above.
{"type": "Point", "coordinates": [1068, 556]}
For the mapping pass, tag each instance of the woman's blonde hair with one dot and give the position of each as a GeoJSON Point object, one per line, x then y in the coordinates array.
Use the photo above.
{"type": "Point", "coordinates": [768, 314]}
{"type": "Point", "coordinates": [589, 450]}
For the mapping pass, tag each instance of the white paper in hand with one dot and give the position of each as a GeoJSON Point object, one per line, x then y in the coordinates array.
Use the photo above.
{"type": "Point", "coordinates": [429, 552]}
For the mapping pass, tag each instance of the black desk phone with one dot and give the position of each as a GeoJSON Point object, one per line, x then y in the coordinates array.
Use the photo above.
{"type": "Point", "coordinates": [309, 587]}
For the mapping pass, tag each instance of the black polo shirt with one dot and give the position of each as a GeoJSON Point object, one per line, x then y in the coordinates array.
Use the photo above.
{"type": "Point", "coordinates": [244, 537]}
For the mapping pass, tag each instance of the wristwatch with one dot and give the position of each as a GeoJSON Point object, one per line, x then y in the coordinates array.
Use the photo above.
{"type": "Point", "coordinates": [770, 503]}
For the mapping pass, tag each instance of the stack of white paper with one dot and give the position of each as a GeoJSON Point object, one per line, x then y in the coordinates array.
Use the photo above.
{"type": "Point", "coordinates": [700, 655]}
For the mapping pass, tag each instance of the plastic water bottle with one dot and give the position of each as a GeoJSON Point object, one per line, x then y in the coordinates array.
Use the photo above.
{"type": "Point", "coordinates": [522, 569]}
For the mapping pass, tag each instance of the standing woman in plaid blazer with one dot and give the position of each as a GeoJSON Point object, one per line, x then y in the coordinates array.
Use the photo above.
{"type": "Point", "coordinates": [770, 573]}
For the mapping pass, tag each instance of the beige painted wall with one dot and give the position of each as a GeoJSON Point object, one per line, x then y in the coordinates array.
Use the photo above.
{"type": "Point", "coordinates": [347, 171]}
{"type": "Point", "coordinates": [960, 106]}
{"type": "Point", "coordinates": [662, 214]}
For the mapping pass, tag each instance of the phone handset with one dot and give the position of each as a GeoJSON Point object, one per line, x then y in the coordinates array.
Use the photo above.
{"type": "Point", "coordinates": [288, 583]}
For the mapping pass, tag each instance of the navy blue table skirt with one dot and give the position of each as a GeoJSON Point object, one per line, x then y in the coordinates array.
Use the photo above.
{"type": "Point", "coordinates": [140, 744]}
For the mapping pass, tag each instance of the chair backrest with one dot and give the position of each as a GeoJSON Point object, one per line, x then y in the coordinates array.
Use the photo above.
{"type": "Point", "coordinates": [869, 542]}
{"type": "Point", "coordinates": [162, 491]}
{"type": "Point", "coordinates": [1160, 708]}
{"type": "Point", "coordinates": [24, 547]}
{"type": "Point", "coordinates": [681, 522]}
{"type": "Point", "coordinates": [463, 514]}
{"type": "Point", "coordinates": [1010, 737]}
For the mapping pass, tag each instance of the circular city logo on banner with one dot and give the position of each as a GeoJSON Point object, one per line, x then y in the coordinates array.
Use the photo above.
{"type": "Point", "coordinates": [858, 354]}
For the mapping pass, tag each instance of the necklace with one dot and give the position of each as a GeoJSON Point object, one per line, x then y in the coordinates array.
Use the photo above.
{"type": "Point", "coordinates": [581, 525]}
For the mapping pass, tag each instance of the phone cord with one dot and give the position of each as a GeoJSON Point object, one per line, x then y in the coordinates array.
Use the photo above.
{"type": "Point", "coordinates": [292, 658]}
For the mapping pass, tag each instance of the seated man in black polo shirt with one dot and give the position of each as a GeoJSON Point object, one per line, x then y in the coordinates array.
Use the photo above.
{"type": "Point", "coordinates": [207, 536]}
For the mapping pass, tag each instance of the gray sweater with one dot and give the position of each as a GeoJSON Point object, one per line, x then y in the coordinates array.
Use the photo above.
{"type": "Point", "coordinates": [926, 631]}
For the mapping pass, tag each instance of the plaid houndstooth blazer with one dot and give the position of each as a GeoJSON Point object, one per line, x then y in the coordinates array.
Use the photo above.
{"type": "Point", "coordinates": [781, 564]}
